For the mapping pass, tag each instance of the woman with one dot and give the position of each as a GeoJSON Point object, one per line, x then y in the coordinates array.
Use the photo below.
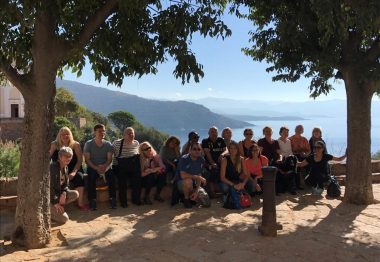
{"type": "Point", "coordinates": [65, 138]}
{"type": "Point", "coordinates": [316, 135]}
{"type": "Point", "coordinates": [125, 164]}
{"type": "Point", "coordinates": [284, 142]}
{"type": "Point", "coordinates": [152, 171]}
{"type": "Point", "coordinates": [60, 194]}
{"type": "Point", "coordinates": [170, 154]}
{"type": "Point", "coordinates": [319, 166]}
{"type": "Point", "coordinates": [233, 172]}
{"type": "Point", "coordinates": [227, 136]}
{"type": "Point", "coordinates": [270, 147]}
{"type": "Point", "coordinates": [245, 144]}
{"type": "Point", "coordinates": [254, 164]}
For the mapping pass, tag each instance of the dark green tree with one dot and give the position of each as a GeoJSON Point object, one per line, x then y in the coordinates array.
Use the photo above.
{"type": "Point", "coordinates": [323, 40]}
{"type": "Point", "coordinates": [122, 119]}
{"type": "Point", "coordinates": [65, 104]}
{"type": "Point", "coordinates": [40, 39]}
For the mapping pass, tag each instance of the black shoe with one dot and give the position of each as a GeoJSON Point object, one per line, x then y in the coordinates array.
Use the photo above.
{"type": "Point", "coordinates": [147, 201]}
{"type": "Point", "coordinates": [187, 203]}
{"type": "Point", "coordinates": [158, 198]}
{"type": "Point", "coordinates": [137, 203]}
{"type": "Point", "coordinates": [293, 192]}
{"type": "Point", "coordinates": [124, 205]}
{"type": "Point", "coordinates": [93, 204]}
{"type": "Point", "coordinates": [113, 203]}
{"type": "Point", "coordinates": [300, 188]}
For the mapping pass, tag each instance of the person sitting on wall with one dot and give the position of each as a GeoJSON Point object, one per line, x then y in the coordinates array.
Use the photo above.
{"type": "Point", "coordinates": [214, 149]}
{"type": "Point", "coordinates": [152, 172]}
{"type": "Point", "coordinates": [170, 155]}
{"type": "Point", "coordinates": [193, 138]}
{"type": "Point", "coordinates": [60, 194]}
{"type": "Point", "coordinates": [98, 156]}
{"type": "Point", "coordinates": [246, 143]}
{"type": "Point", "coordinates": [65, 138]}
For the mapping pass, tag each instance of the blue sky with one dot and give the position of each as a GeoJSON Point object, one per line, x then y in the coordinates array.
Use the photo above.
{"type": "Point", "coordinates": [228, 74]}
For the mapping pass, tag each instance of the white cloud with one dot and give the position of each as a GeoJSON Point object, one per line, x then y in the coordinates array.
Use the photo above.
{"type": "Point", "coordinates": [210, 89]}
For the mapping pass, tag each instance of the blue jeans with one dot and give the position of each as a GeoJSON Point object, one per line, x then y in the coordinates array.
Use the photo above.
{"type": "Point", "coordinates": [93, 175]}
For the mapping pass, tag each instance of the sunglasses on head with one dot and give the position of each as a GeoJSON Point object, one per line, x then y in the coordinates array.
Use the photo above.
{"type": "Point", "coordinates": [146, 149]}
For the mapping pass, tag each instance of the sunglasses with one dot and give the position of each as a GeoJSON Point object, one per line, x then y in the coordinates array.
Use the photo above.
{"type": "Point", "coordinates": [248, 134]}
{"type": "Point", "coordinates": [196, 149]}
{"type": "Point", "coordinates": [318, 147]}
{"type": "Point", "coordinates": [146, 149]}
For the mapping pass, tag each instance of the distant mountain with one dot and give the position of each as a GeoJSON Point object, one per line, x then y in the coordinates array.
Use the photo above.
{"type": "Point", "coordinates": [266, 118]}
{"type": "Point", "coordinates": [163, 115]}
{"type": "Point", "coordinates": [307, 109]}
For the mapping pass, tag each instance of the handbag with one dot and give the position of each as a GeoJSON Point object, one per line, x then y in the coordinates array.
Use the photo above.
{"type": "Point", "coordinates": [333, 188]}
{"type": "Point", "coordinates": [245, 199]}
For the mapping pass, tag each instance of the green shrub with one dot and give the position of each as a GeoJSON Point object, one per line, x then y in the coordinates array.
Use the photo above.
{"type": "Point", "coordinates": [376, 155]}
{"type": "Point", "coordinates": [9, 159]}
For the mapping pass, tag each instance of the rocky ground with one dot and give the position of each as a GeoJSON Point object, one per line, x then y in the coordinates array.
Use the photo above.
{"type": "Point", "coordinates": [314, 229]}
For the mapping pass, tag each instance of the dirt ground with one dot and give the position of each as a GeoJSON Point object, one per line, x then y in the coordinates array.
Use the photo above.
{"type": "Point", "coordinates": [314, 229]}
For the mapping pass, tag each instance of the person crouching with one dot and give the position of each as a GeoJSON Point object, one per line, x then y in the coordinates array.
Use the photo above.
{"type": "Point", "coordinates": [60, 194]}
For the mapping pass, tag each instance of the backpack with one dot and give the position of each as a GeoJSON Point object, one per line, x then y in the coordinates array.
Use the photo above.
{"type": "Point", "coordinates": [333, 187]}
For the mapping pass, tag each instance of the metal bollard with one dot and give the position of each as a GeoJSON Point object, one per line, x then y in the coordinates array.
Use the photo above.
{"type": "Point", "coordinates": [269, 224]}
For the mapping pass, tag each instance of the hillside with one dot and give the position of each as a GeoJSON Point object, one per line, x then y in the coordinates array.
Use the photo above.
{"type": "Point", "coordinates": [163, 115]}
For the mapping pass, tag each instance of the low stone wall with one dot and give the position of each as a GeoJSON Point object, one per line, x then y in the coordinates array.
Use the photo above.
{"type": "Point", "coordinates": [339, 169]}
{"type": "Point", "coordinates": [11, 128]}
{"type": "Point", "coordinates": [8, 186]}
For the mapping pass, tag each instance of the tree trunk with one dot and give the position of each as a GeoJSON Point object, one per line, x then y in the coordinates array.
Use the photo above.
{"type": "Point", "coordinates": [359, 180]}
{"type": "Point", "coordinates": [33, 212]}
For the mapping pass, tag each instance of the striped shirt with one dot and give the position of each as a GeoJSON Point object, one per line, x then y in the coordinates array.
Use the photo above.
{"type": "Point", "coordinates": [128, 150]}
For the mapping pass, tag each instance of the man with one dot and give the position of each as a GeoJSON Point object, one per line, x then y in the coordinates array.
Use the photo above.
{"type": "Point", "coordinates": [301, 149]}
{"type": "Point", "coordinates": [189, 174]}
{"type": "Point", "coordinates": [98, 156]}
{"type": "Point", "coordinates": [214, 148]}
{"type": "Point", "coordinates": [60, 194]}
{"type": "Point", "coordinates": [193, 138]}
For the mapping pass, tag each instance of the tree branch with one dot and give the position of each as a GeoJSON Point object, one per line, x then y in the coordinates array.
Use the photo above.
{"type": "Point", "coordinates": [18, 80]}
{"type": "Point", "coordinates": [93, 24]}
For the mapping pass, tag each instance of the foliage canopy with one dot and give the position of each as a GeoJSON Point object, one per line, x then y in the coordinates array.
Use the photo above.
{"type": "Point", "coordinates": [315, 39]}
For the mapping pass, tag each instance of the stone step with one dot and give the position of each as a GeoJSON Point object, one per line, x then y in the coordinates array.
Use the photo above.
{"type": "Point", "coordinates": [101, 194]}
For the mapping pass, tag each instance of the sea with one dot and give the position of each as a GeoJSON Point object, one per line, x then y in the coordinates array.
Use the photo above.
{"type": "Point", "coordinates": [334, 131]}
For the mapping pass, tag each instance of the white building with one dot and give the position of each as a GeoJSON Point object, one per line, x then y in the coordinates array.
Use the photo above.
{"type": "Point", "coordinates": [11, 102]}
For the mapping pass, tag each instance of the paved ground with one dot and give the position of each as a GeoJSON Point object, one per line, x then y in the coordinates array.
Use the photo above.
{"type": "Point", "coordinates": [314, 229]}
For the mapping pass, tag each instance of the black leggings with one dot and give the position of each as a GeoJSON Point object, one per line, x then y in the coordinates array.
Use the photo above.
{"type": "Point", "coordinates": [153, 179]}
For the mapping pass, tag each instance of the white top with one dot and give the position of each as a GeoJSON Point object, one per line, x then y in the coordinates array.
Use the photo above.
{"type": "Point", "coordinates": [285, 147]}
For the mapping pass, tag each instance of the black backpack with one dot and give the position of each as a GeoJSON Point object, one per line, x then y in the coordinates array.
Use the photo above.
{"type": "Point", "coordinates": [333, 188]}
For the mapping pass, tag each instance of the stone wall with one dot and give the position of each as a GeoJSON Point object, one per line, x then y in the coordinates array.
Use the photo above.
{"type": "Point", "coordinates": [11, 128]}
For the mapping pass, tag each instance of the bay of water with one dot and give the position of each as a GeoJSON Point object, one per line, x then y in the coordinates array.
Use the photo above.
{"type": "Point", "coordinates": [334, 132]}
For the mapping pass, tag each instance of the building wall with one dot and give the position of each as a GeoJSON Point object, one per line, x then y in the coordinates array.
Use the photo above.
{"type": "Point", "coordinates": [10, 95]}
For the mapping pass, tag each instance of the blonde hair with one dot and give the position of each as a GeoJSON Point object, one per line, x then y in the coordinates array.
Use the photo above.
{"type": "Point", "coordinates": [58, 141]}
{"type": "Point", "coordinates": [145, 144]}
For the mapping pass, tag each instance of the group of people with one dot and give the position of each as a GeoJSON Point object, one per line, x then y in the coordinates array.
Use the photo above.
{"type": "Point", "coordinates": [214, 165]}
